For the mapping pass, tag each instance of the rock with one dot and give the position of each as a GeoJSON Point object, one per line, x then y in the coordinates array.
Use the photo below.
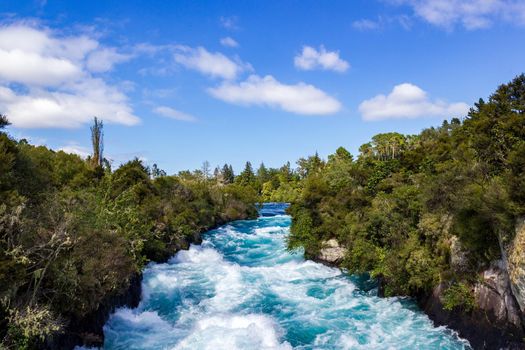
{"type": "Point", "coordinates": [494, 295]}
{"type": "Point", "coordinates": [458, 256]}
{"type": "Point", "coordinates": [495, 322]}
{"type": "Point", "coordinates": [516, 264]}
{"type": "Point", "coordinates": [331, 252]}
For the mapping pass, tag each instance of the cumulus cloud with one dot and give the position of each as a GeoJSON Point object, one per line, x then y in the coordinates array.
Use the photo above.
{"type": "Point", "coordinates": [174, 114]}
{"type": "Point", "coordinates": [471, 14]}
{"type": "Point", "coordinates": [68, 108]}
{"type": "Point", "coordinates": [229, 42]}
{"type": "Point", "coordinates": [47, 80]}
{"type": "Point", "coordinates": [408, 101]}
{"type": "Point", "coordinates": [310, 59]}
{"type": "Point", "coordinates": [214, 64]}
{"type": "Point", "coordinates": [300, 98]}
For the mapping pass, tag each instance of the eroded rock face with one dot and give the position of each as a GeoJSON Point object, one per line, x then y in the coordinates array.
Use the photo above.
{"type": "Point", "coordinates": [332, 252]}
{"type": "Point", "coordinates": [494, 295]}
{"type": "Point", "coordinates": [495, 321]}
{"type": "Point", "coordinates": [516, 264]}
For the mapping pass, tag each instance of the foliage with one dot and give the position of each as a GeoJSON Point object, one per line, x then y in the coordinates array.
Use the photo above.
{"type": "Point", "coordinates": [73, 234]}
{"type": "Point", "coordinates": [459, 295]}
{"type": "Point", "coordinates": [398, 205]}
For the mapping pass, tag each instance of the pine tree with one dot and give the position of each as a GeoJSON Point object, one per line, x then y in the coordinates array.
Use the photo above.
{"type": "Point", "coordinates": [247, 177]}
{"type": "Point", "coordinates": [227, 174]}
{"type": "Point", "coordinates": [262, 174]}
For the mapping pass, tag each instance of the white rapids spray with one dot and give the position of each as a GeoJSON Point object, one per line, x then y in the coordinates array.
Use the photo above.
{"type": "Point", "coordinates": [241, 289]}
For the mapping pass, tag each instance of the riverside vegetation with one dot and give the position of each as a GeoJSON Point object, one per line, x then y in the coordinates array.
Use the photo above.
{"type": "Point", "coordinates": [437, 209]}
{"type": "Point", "coordinates": [414, 211]}
{"type": "Point", "coordinates": [74, 233]}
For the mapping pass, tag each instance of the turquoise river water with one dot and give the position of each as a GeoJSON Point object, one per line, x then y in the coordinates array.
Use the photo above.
{"type": "Point", "coordinates": [241, 289]}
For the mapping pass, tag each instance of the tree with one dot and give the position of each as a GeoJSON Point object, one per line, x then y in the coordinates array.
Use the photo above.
{"type": "Point", "coordinates": [388, 146]}
{"type": "Point", "coordinates": [262, 174]}
{"type": "Point", "coordinates": [3, 121]}
{"type": "Point", "coordinates": [497, 127]}
{"type": "Point", "coordinates": [206, 170]}
{"type": "Point", "coordinates": [341, 154]}
{"type": "Point", "coordinates": [97, 140]}
{"type": "Point", "coordinates": [247, 177]}
{"type": "Point", "coordinates": [228, 174]}
{"type": "Point", "coordinates": [156, 171]}
{"type": "Point", "coordinates": [309, 165]}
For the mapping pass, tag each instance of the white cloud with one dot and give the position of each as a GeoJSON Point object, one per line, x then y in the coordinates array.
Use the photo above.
{"type": "Point", "coordinates": [214, 64]}
{"type": "Point", "coordinates": [229, 42]}
{"type": "Point", "coordinates": [103, 60]}
{"type": "Point", "coordinates": [300, 98]}
{"type": "Point", "coordinates": [74, 148]}
{"type": "Point", "coordinates": [310, 59]}
{"type": "Point", "coordinates": [174, 114]}
{"type": "Point", "coordinates": [68, 108]}
{"type": "Point", "coordinates": [55, 81]}
{"type": "Point", "coordinates": [471, 14]}
{"type": "Point", "coordinates": [31, 68]}
{"type": "Point", "coordinates": [408, 101]}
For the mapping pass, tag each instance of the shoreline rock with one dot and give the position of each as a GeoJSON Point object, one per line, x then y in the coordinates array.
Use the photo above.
{"type": "Point", "coordinates": [331, 253]}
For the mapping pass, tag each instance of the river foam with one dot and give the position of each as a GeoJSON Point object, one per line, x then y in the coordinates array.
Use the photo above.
{"type": "Point", "coordinates": [241, 289]}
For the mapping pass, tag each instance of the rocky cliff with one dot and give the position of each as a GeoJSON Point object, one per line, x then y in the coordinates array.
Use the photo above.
{"type": "Point", "coordinates": [515, 261]}
{"type": "Point", "coordinates": [497, 320]}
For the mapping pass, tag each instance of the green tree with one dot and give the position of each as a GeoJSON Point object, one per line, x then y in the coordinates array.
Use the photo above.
{"type": "Point", "coordinates": [228, 174]}
{"type": "Point", "coordinates": [3, 121]}
{"type": "Point", "coordinates": [97, 141]}
{"type": "Point", "coordinates": [246, 177]}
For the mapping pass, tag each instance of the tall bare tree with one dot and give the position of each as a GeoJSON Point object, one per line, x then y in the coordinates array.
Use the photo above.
{"type": "Point", "coordinates": [97, 140]}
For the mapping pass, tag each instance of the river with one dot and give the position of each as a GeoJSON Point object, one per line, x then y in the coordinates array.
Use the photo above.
{"type": "Point", "coordinates": [241, 289]}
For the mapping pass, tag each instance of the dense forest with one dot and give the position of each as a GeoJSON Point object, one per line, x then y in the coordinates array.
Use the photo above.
{"type": "Point", "coordinates": [418, 210]}
{"type": "Point", "coordinates": [73, 232]}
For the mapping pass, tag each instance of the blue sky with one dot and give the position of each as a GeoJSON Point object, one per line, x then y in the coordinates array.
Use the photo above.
{"type": "Point", "coordinates": [181, 82]}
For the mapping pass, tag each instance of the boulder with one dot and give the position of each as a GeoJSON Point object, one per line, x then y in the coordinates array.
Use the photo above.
{"type": "Point", "coordinates": [331, 252]}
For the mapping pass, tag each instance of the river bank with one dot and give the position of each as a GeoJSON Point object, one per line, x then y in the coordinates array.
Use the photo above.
{"type": "Point", "coordinates": [88, 331]}
{"type": "Point", "coordinates": [242, 289]}
{"type": "Point", "coordinates": [495, 321]}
